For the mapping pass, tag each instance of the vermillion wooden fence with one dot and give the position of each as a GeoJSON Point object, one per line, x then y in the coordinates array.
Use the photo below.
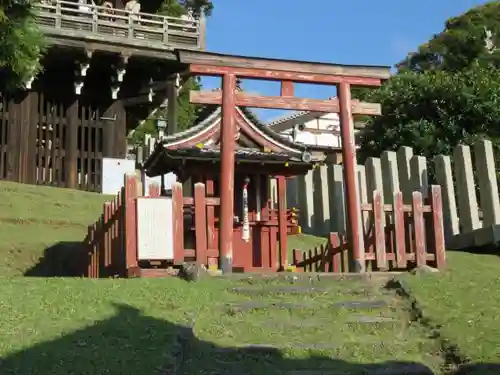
{"type": "Point", "coordinates": [108, 250]}
{"type": "Point", "coordinates": [468, 178]}
{"type": "Point", "coordinates": [111, 247]}
{"type": "Point", "coordinates": [105, 240]}
{"type": "Point", "coordinates": [397, 237]}
{"type": "Point", "coordinates": [197, 235]}
{"type": "Point", "coordinates": [58, 142]}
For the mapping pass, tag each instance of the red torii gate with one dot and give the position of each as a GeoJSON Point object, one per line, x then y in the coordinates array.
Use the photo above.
{"type": "Point", "coordinates": [287, 72]}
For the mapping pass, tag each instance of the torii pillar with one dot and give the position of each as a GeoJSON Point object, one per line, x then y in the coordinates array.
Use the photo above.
{"type": "Point", "coordinates": [226, 180]}
{"type": "Point", "coordinates": [287, 72]}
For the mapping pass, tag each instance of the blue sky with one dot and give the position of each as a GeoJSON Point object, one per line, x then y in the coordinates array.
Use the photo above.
{"type": "Point", "coordinates": [366, 32]}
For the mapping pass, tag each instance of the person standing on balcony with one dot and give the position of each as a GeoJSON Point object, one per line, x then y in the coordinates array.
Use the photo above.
{"type": "Point", "coordinates": [84, 8]}
{"type": "Point", "coordinates": [134, 7]}
{"type": "Point", "coordinates": [108, 9]}
{"type": "Point", "coordinates": [188, 21]}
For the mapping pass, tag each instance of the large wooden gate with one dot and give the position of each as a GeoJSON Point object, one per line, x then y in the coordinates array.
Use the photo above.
{"type": "Point", "coordinates": [58, 142]}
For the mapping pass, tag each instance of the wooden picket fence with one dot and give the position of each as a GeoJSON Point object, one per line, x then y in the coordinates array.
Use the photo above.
{"type": "Point", "coordinates": [104, 240]}
{"type": "Point", "coordinates": [111, 248]}
{"type": "Point", "coordinates": [106, 252]}
{"type": "Point", "coordinates": [197, 232]}
{"type": "Point", "coordinates": [468, 178]}
{"type": "Point", "coordinates": [397, 237]}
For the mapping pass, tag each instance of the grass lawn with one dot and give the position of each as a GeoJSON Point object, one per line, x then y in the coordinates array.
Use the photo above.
{"type": "Point", "coordinates": [465, 302]}
{"type": "Point", "coordinates": [35, 218]}
{"type": "Point", "coordinates": [303, 242]}
{"type": "Point", "coordinates": [167, 326]}
{"type": "Point", "coordinates": [71, 326]}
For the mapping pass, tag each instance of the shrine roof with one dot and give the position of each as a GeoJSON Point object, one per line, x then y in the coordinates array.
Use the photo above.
{"type": "Point", "coordinates": [241, 155]}
{"type": "Point", "coordinates": [164, 160]}
{"type": "Point", "coordinates": [255, 143]}
{"type": "Point", "coordinates": [211, 115]}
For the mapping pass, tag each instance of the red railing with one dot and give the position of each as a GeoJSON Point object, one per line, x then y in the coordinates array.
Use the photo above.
{"type": "Point", "coordinates": [196, 227]}
{"type": "Point", "coordinates": [397, 237]}
{"type": "Point", "coordinates": [110, 244]}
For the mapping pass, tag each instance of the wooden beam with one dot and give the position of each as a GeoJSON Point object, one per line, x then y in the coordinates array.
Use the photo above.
{"type": "Point", "coordinates": [278, 102]}
{"type": "Point", "coordinates": [136, 100]}
{"type": "Point", "coordinates": [277, 75]}
{"type": "Point", "coordinates": [163, 84]}
{"type": "Point", "coordinates": [286, 88]}
{"type": "Point", "coordinates": [221, 60]}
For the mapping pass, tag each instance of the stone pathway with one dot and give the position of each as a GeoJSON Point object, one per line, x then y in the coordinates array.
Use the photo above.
{"type": "Point", "coordinates": [309, 326]}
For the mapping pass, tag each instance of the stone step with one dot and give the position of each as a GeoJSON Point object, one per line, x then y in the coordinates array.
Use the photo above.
{"type": "Point", "coordinates": [297, 290]}
{"type": "Point", "coordinates": [357, 319]}
{"type": "Point", "coordinates": [309, 276]}
{"type": "Point", "coordinates": [362, 319]}
{"type": "Point", "coordinates": [293, 289]}
{"type": "Point", "coordinates": [370, 304]}
{"type": "Point", "coordinates": [259, 305]}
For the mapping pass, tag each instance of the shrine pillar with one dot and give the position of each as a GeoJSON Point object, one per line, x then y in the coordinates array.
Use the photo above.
{"type": "Point", "coordinates": [354, 224]}
{"type": "Point", "coordinates": [226, 184]}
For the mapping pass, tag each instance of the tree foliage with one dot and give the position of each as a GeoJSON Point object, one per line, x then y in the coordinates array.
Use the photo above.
{"type": "Point", "coordinates": [176, 8]}
{"type": "Point", "coordinates": [447, 93]}
{"type": "Point", "coordinates": [21, 43]}
{"type": "Point", "coordinates": [186, 114]}
{"type": "Point", "coordinates": [435, 111]}
{"type": "Point", "coordinates": [461, 43]}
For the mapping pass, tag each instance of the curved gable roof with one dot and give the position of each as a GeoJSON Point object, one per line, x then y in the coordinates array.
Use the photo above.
{"type": "Point", "coordinates": [208, 129]}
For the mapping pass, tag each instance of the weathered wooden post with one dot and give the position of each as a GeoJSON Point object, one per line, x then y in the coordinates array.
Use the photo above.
{"type": "Point", "coordinates": [355, 233]}
{"type": "Point", "coordinates": [226, 185]}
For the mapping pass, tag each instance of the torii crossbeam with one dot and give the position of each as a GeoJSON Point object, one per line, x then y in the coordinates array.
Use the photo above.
{"type": "Point", "coordinates": [287, 72]}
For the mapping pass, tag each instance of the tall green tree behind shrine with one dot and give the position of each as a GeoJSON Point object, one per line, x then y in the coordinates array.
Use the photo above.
{"type": "Point", "coordinates": [444, 94]}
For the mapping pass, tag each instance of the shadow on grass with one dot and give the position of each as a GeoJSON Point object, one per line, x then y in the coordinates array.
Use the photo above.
{"type": "Point", "coordinates": [59, 260]}
{"type": "Point", "coordinates": [132, 343]}
{"type": "Point", "coordinates": [479, 369]}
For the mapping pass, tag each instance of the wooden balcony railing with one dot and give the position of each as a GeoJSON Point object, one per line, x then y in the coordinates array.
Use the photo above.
{"type": "Point", "coordinates": [71, 19]}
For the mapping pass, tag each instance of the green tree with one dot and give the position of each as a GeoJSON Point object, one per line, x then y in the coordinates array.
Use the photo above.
{"type": "Point", "coordinates": [186, 114]}
{"type": "Point", "coordinates": [434, 111]}
{"type": "Point", "coordinates": [176, 8]}
{"type": "Point", "coordinates": [445, 94]}
{"type": "Point", "coordinates": [21, 43]}
{"type": "Point", "coordinates": [461, 43]}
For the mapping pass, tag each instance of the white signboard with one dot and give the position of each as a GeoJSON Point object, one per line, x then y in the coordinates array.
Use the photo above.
{"type": "Point", "coordinates": [154, 229]}
{"type": "Point", "coordinates": [113, 171]}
